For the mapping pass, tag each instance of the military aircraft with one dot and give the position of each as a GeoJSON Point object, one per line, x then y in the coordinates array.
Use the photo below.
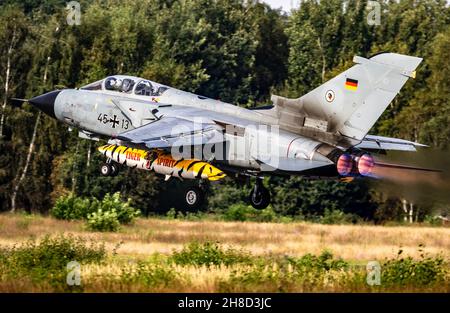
{"type": "Point", "coordinates": [155, 127]}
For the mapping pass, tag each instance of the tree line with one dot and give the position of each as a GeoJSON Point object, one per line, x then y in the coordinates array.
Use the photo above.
{"type": "Point", "coordinates": [237, 51]}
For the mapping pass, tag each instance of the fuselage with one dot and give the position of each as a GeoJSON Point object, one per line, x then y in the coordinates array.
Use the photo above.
{"type": "Point", "coordinates": [322, 133]}
{"type": "Point", "coordinates": [97, 110]}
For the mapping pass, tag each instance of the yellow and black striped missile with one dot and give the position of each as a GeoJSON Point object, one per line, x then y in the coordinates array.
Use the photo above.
{"type": "Point", "coordinates": [161, 163]}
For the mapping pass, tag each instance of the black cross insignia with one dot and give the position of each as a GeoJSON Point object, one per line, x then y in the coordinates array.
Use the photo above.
{"type": "Point", "coordinates": [114, 121]}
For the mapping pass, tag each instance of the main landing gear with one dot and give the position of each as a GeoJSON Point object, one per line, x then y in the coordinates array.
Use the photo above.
{"type": "Point", "coordinates": [260, 195]}
{"type": "Point", "coordinates": [109, 168]}
{"type": "Point", "coordinates": [193, 197]}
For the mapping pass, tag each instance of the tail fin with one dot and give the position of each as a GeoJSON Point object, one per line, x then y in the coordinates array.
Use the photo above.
{"type": "Point", "coordinates": [351, 103]}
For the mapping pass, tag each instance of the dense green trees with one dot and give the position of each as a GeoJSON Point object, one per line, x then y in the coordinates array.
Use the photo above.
{"type": "Point", "coordinates": [237, 51]}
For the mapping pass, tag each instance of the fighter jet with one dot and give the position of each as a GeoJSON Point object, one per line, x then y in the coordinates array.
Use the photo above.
{"type": "Point", "coordinates": [323, 133]}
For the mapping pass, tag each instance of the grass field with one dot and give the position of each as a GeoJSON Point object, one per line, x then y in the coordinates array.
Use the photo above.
{"type": "Point", "coordinates": [139, 256]}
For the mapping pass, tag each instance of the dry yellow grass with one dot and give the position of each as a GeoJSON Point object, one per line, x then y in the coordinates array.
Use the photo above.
{"type": "Point", "coordinates": [147, 236]}
{"type": "Point", "coordinates": [358, 243]}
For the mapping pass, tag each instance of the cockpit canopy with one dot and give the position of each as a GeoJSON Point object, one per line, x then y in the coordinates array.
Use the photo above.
{"type": "Point", "coordinates": [129, 85]}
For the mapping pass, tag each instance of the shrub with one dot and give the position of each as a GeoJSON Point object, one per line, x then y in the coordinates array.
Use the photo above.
{"type": "Point", "coordinates": [104, 215]}
{"type": "Point", "coordinates": [407, 271]}
{"type": "Point", "coordinates": [308, 273]}
{"type": "Point", "coordinates": [103, 221]}
{"type": "Point", "coordinates": [149, 274]}
{"type": "Point", "coordinates": [71, 208]}
{"type": "Point", "coordinates": [47, 259]}
{"type": "Point", "coordinates": [324, 262]}
{"type": "Point", "coordinates": [256, 278]}
{"type": "Point", "coordinates": [171, 214]}
{"type": "Point", "coordinates": [240, 212]}
{"type": "Point", "coordinates": [338, 217]}
{"type": "Point", "coordinates": [125, 213]}
{"type": "Point", "coordinates": [432, 220]}
{"type": "Point", "coordinates": [209, 253]}
{"type": "Point", "coordinates": [267, 215]}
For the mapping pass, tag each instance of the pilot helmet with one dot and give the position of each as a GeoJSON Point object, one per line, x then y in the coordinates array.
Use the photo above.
{"type": "Point", "coordinates": [126, 85]}
{"type": "Point", "coordinates": [110, 82]}
{"type": "Point", "coordinates": [117, 83]}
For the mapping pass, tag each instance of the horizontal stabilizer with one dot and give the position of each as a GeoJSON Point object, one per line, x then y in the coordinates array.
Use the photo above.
{"type": "Point", "coordinates": [371, 142]}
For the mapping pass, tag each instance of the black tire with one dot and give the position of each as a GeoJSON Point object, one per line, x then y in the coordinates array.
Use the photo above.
{"type": "Point", "coordinates": [193, 198]}
{"type": "Point", "coordinates": [114, 169]}
{"type": "Point", "coordinates": [261, 199]}
{"type": "Point", "coordinates": [106, 169]}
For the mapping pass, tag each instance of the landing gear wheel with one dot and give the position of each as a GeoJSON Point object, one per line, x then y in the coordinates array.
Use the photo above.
{"type": "Point", "coordinates": [193, 197]}
{"type": "Point", "coordinates": [260, 196]}
{"type": "Point", "coordinates": [106, 169]}
{"type": "Point", "coordinates": [114, 169]}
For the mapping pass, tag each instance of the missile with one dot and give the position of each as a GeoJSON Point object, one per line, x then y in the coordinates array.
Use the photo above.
{"type": "Point", "coordinates": [161, 163]}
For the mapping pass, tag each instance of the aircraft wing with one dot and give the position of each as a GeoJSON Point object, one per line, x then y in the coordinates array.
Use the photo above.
{"type": "Point", "coordinates": [371, 142]}
{"type": "Point", "coordinates": [173, 131]}
{"type": "Point", "coordinates": [175, 125]}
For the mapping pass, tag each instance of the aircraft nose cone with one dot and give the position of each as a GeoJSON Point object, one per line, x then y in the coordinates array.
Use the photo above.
{"type": "Point", "coordinates": [46, 102]}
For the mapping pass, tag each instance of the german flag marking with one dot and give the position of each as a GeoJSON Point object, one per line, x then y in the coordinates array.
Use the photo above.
{"type": "Point", "coordinates": [351, 84]}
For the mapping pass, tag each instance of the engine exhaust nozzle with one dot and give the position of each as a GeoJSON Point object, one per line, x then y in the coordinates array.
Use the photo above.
{"type": "Point", "coordinates": [365, 164]}
{"type": "Point", "coordinates": [344, 164]}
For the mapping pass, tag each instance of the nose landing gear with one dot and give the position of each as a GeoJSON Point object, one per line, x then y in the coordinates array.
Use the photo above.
{"type": "Point", "coordinates": [259, 196]}
{"type": "Point", "coordinates": [109, 168]}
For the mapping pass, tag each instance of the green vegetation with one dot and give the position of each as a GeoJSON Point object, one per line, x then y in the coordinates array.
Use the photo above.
{"type": "Point", "coordinates": [43, 264]}
{"type": "Point", "coordinates": [101, 215]}
{"type": "Point", "coordinates": [324, 262]}
{"type": "Point", "coordinates": [103, 220]}
{"type": "Point", "coordinates": [246, 213]}
{"type": "Point", "coordinates": [149, 274]}
{"type": "Point", "coordinates": [241, 212]}
{"type": "Point", "coordinates": [52, 253]}
{"type": "Point", "coordinates": [308, 273]}
{"type": "Point", "coordinates": [406, 271]}
{"type": "Point", "coordinates": [209, 254]}
{"type": "Point", "coordinates": [237, 51]}
{"type": "Point", "coordinates": [71, 207]}
{"type": "Point", "coordinates": [46, 261]}
{"type": "Point", "coordinates": [125, 212]}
